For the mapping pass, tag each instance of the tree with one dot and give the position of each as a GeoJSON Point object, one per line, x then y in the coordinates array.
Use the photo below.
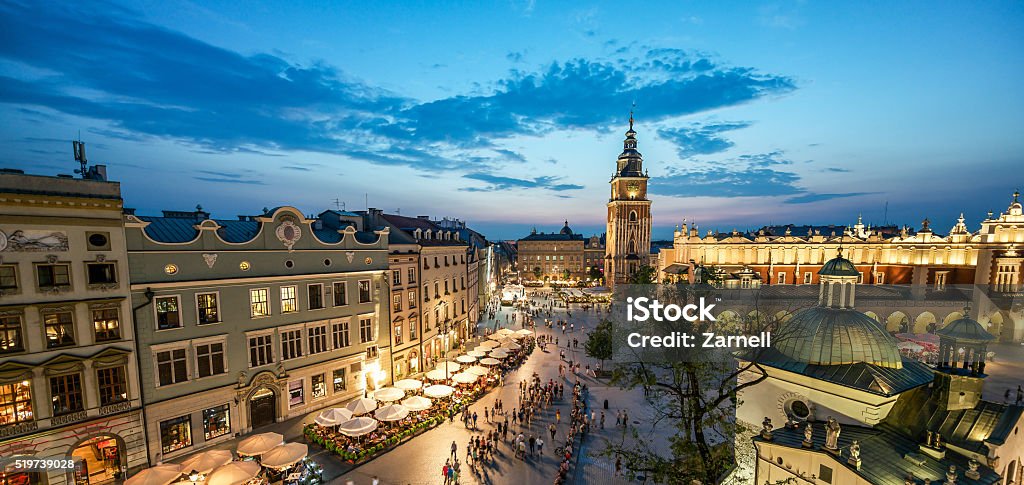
{"type": "Point", "coordinates": [595, 273]}
{"type": "Point", "coordinates": [646, 275]}
{"type": "Point", "coordinates": [692, 391]}
{"type": "Point", "coordinates": [599, 342]}
{"type": "Point", "coordinates": [537, 272]}
{"type": "Point", "coordinates": [566, 274]}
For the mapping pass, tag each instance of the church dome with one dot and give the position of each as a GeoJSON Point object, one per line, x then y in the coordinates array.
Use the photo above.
{"type": "Point", "coordinates": [823, 335]}
{"type": "Point", "coordinates": [566, 229]}
{"type": "Point", "coordinates": [839, 266]}
{"type": "Point", "coordinates": [965, 329]}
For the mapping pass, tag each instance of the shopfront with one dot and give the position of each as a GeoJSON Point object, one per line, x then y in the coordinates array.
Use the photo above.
{"type": "Point", "coordinates": [99, 460]}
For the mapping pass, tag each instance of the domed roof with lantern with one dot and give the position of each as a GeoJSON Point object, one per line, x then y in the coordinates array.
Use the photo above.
{"type": "Point", "coordinates": [566, 229]}
{"type": "Point", "coordinates": [965, 329]}
{"type": "Point", "coordinates": [839, 266]}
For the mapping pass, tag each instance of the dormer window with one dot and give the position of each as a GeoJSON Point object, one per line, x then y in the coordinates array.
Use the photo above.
{"type": "Point", "coordinates": [418, 234]}
{"type": "Point", "coordinates": [427, 236]}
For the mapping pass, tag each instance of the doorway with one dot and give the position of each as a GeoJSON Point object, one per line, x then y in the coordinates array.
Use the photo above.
{"type": "Point", "coordinates": [98, 461]}
{"type": "Point", "coordinates": [262, 408]}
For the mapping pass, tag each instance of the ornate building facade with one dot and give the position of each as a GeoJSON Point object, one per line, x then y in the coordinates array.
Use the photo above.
{"type": "Point", "coordinates": [990, 257]}
{"type": "Point", "coordinates": [69, 386]}
{"type": "Point", "coordinates": [302, 304]}
{"type": "Point", "coordinates": [628, 243]}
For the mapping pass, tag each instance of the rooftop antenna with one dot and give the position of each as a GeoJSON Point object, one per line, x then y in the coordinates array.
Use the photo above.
{"type": "Point", "coordinates": [366, 197]}
{"type": "Point", "coordinates": [78, 147]}
{"type": "Point", "coordinates": [338, 204]}
{"type": "Point", "coordinates": [886, 218]}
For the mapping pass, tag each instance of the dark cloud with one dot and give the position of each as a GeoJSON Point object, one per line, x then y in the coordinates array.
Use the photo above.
{"type": "Point", "coordinates": [809, 198]}
{"type": "Point", "coordinates": [757, 175]}
{"type": "Point", "coordinates": [701, 139]}
{"type": "Point", "coordinates": [230, 181]}
{"type": "Point", "coordinates": [511, 155]}
{"type": "Point", "coordinates": [837, 170]}
{"type": "Point", "coordinates": [147, 81]}
{"type": "Point", "coordinates": [514, 56]}
{"type": "Point", "coordinates": [296, 168]}
{"type": "Point", "coordinates": [499, 182]}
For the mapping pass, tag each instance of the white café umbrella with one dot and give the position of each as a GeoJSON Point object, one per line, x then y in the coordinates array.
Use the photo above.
{"type": "Point", "coordinates": [333, 416]}
{"type": "Point", "coordinates": [499, 354]}
{"type": "Point", "coordinates": [417, 403]}
{"type": "Point", "coordinates": [452, 367]}
{"type": "Point", "coordinates": [437, 375]}
{"type": "Point", "coordinates": [477, 353]}
{"type": "Point", "coordinates": [504, 331]}
{"type": "Point", "coordinates": [495, 336]}
{"type": "Point", "coordinates": [477, 370]}
{"type": "Point", "coordinates": [511, 346]}
{"type": "Point", "coordinates": [206, 461]}
{"type": "Point", "coordinates": [524, 332]}
{"type": "Point", "coordinates": [362, 405]}
{"type": "Point", "coordinates": [234, 473]}
{"type": "Point", "coordinates": [285, 455]}
{"type": "Point", "coordinates": [358, 426]}
{"type": "Point", "coordinates": [490, 344]}
{"type": "Point", "coordinates": [465, 378]}
{"type": "Point", "coordinates": [438, 390]}
{"type": "Point", "coordinates": [388, 394]}
{"type": "Point", "coordinates": [391, 412]}
{"type": "Point", "coordinates": [490, 361]}
{"type": "Point", "coordinates": [157, 475]}
{"type": "Point", "coordinates": [409, 384]}
{"type": "Point", "coordinates": [259, 443]}
{"type": "Point", "coordinates": [465, 359]}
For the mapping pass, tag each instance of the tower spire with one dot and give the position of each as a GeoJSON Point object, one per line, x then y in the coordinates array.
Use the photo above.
{"type": "Point", "coordinates": [631, 109]}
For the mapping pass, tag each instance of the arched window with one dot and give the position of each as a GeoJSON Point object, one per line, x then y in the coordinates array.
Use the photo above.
{"type": "Point", "coordinates": [631, 247]}
{"type": "Point", "coordinates": [632, 216]}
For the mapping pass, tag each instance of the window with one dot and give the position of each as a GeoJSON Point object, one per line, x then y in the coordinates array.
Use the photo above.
{"type": "Point", "coordinates": [207, 309]}
{"type": "Point", "coordinates": [426, 293]}
{"type": "Point", "coordinates": [106, 323]}
{"type": "Point", "coordinates": [261, 350]}
{"type": "Point", "coordinates": [11, 339]}
{"type": "Point", "coordinates": [396, 305]}
{"type": "Point", "coordinates": [8, 277]}
{"type": "Point", "coordinates": [437, 290]}
{"type": "Point", "coordinates": [259, 305]}
{"type": "Point", "coordinates": [365, 330]}
{"type": "Point", "coordinates": [171, 366]}
{"type": "Point", "coordinates": [288, 304]}
{"type": "Point", "coordinates": [446, 287]}
{"type": "Point", "coordinates": [340, 293]}
{"type": "Point", "coordinates": [879, 278]}
{"type": "Point", "coordinates": [216, 422]}
{"type": "Point", "coordinates": [101, 273]}
{"type": "Point", "coordinates": [319, 386]}
{"type": "Point", "coordinates": [824, 473]}
{"type": "Point", "coordinates": [113, 385]}
{"type": "Point", "coordinates": [398, 333]}
{"type": "Point", "coordinates": [16, 403]}
{"type": "Point", "coordinates": [210, 359]}
{"type": "Point", "coordinates": [339, 334]}
{"type": "Point", "coordinates": [66, 394]}
{"type": "Point", "coordinates": [462, 281]}
{"type": "Point", "coordinates": [316, 296]}
{"type": "Point", "coordinates": [364, 291]}
{"type": "Point", "coordinates": [295, 396]}
{"type": "Point", "coordinates": [291, 344]}
{"type": "Point", "coordinates": [411, 277]}
{"type": "Point", "coordinates": [339, 380]}
{"type": "Point", "coordinates": [808, 276]}
{"type": "Point", "coordinates": [940, 280]}
{"type": "Point", "coordinates": [412, 299]}
{"type": "Point", "coordinates": [396, 277]}
{"type": "Point", "coordinates": [98, 241]}
{"type": "Point", "coordinates": [782, 278]}
{"type": "Point", "coordinates": [53, 276]}
{"type": "Point", "coordinates": [317, 339]}
{"type": "Point", "coordinates": [168, 314]}
{"type": "Point", "coordinates": [59, 329]}
{"type": "Point", "coordinates": [176, 434]}
{"type": "Point", "coordinates": [412, 329]}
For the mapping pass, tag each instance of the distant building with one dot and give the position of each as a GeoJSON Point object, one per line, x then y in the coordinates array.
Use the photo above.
{"type": "Point", "coordinates": [68, 370]}
{"type": "Point", "coordinates": [246, 322]}
{"type": "Point", "coordinates": [559, 256]}
{"type": "Point", "coordinates": [628, 243]}
{"type": "Point", "coordinates": [990, 257]}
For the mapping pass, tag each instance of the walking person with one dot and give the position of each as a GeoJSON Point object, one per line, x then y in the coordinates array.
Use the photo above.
{"type": "Point", "coordinates": [454, 448]}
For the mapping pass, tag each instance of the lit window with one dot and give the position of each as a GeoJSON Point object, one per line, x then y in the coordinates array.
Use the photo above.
{"type": "Point", "coordinates": [106, 323]}
{"type": "Point", "coordinates": [339, 380]}
{"type": "Point", "coordinates": [216, 422]}
{"type": "Point", "coordinates": [288, 303]}
{"type": "Point", "coordinates": [113, 385]}
{"type": "Point", "coordinates": [59, 329]}
{"type": "Point", "coordinates": [176, 434]}
{"type": "Point", "coordinates": [15, 403]}
{"type": "Point", "coordinates": [319, 384]}
{"type": "Point", "coordinates": [11, 339]}
{"type": "Point", "coordinates": [207, 308]}
{"type": "Point", "coordinates": [167, 313]}
{"type": "Point", "coordinates": [295, 394]}
{"type": "Point", "coordinates": [259, 305]}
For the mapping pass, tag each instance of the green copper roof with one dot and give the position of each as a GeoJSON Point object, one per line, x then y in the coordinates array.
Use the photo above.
{"type": "Point", "coordinates": [833, 336]}
{"type": "Point", "coordinates": [965, 329]}
{"type": "Point", "coordinates": [839, 266]}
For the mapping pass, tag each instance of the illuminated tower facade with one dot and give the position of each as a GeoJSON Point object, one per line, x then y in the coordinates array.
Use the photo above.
{"type": "Point", "coordinates": [628, 243]}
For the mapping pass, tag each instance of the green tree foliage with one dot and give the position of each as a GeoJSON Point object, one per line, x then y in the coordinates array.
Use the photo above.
{"type": "Point", "coordinates": [599, 342]}
{"type": "Point", "coordinates": [646, 275]}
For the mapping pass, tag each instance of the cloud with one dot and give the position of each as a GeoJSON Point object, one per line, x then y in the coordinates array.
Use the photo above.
{"type": "Point", "coordinates": [514, 56]}
{"type": "Point", "coordinates": [701, 139]}
{"type": "Point", "coordinates": [499, 182]}
{"type": "Point", "coordinates": [510, 155]}
{"type": "Point", "coordinates": [810, 197]}
{"type": "Point", "coordinates": [296, 168]}
{"type": "Point", "coordinates": [230, 181]}
{"type": "Point", "coordinates": [755, 175]}
{"type": "Point", "coordinates": [144, 80]}
{"type": "Point", "coordinates": [837, 170]}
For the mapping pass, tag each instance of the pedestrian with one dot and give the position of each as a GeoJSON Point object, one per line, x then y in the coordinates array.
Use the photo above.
{"type": "Point", "coordinates": [533, 445]}
{"type": "Point", "coordinates": [618, 466]}
{"type": "Point", "coordinates": [618, 417]}
{"type": "Point", "coordinates": [444, 472]}
{"type": "Point", "coordinates": [540, 446]}
{"type": "Point", "coordinates": [552, 430]}
{"type": "Point", "coordinates": [558, 416]}
{"type": "Point", "coordinates": [602, 419]}
{"type": "Point", "coordinates": [375, 481]}
{"type": "Point", "coordinates": [454, 448]}
{"type": "Point", "coordinates": [487, 417]}
{"type": "Point", "coordinates": [474, 418]}
{"type": "Point", "coordinates": [625, 418]}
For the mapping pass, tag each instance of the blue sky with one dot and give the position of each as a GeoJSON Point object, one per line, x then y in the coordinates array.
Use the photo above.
{"type": "Point", "coordinates": [511, 114]}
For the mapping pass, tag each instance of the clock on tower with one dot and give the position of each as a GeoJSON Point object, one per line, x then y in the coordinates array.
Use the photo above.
{"type": "Point", "coordinates": [628, 244]}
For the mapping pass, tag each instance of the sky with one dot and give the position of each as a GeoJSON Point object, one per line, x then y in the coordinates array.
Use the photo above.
{"type": "Point", "coordinates": [510, 114]}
